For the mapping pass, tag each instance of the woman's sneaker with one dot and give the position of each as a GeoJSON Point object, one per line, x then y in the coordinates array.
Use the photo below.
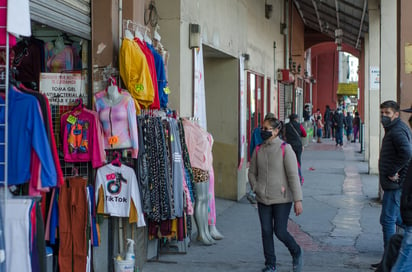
{"type": "Point", "coordinates": [269, 268]}
{"type": "Point", "coordinates": [298, 262]}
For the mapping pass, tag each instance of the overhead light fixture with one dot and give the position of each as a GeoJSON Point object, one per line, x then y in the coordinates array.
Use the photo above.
{"type": "Point", "coordinates": [194, 36]}
{"type": "Point", "coordinates": [268, 11]}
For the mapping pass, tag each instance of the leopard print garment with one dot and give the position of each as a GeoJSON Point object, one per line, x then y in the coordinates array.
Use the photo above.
{"type": "Point", "coordinates": [200, 175]}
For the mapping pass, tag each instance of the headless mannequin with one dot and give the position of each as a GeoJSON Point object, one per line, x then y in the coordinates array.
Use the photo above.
{"type": "Point", "coordinates": [201, 217]}
{"type": "Point", "coordinates": [113, 94]}
{"type": "Point", "coordinates": [58, 45]}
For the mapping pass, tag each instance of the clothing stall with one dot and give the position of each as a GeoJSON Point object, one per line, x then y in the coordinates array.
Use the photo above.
{"type": "Point", "coordinates": [90, 172]}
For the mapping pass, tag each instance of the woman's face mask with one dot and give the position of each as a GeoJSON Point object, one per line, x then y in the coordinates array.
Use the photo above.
{"type": "Point", "coordinates": [265, 134]}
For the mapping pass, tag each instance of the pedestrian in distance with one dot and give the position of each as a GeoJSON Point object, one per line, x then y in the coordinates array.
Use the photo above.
{"type": "Point", "coordinates": [349, 126]}
{"type": "Point", "coordinates": [275, 196]}
{"type": "Point", "coordinates": [293, 132]}
{"type": "Point", "coordinates": [356, 126]}
{"type": "Point", "coordinates": [339, 123]}
{"type": "Point", "coordinates": [328, 121]}
{"type": "Point", "coordinates": [319, 128]}
{"type": "Point", "coordinates": [394, 158]}
{"type": "Point", "coordinates": [306, 113]}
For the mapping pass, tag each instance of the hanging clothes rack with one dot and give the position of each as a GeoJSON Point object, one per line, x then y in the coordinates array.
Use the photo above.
{"type": "Point", "coordinates": [133, 26]}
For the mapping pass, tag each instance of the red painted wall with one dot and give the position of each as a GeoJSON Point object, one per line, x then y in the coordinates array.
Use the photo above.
{"type": "Point", "coordinates": [325, 65]}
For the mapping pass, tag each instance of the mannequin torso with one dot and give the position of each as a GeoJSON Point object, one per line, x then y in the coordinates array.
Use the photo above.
{"type": "Point", "coordinates": [113, 96]}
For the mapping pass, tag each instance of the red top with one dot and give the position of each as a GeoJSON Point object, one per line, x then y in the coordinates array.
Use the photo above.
{"type": "Point", "coordinates": [152, 68]}
{"type": "Point", "coordinates": [303, 131]}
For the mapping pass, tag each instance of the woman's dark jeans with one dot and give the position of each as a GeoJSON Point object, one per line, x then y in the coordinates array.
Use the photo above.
{"type": "Point", "coordinates": [274, 219]}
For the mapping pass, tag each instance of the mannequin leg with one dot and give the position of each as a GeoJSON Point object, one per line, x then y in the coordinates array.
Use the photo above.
{"type": "Point", "coordinates": [215, 233]}
{"type": "Point", "coordinates": [201, 213]}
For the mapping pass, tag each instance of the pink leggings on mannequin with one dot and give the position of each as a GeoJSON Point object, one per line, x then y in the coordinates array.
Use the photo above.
{"type": "Point", "coordinates": [211, 199]}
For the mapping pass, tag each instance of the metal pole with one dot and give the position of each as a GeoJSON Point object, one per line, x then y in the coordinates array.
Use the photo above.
{"type": "Point", "coordinates": [361, 138]}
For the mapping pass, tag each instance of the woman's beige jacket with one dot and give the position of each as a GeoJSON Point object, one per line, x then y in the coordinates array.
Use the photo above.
{"type": "Point", "coordinates": [274, 177]}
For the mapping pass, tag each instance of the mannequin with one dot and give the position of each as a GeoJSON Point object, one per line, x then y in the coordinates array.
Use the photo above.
{"type": "Point", "coordinates": [201, 207]}
{"type": "Point", "coordinates": [59, 45]}
{"type": "Point", "coordinates": [200, 153]}
{"type": "Point", "coordinates": [117, 115]}
{"type": "Point", "coordinates": [212, 220]}
{"type": "Point", "coordinates": [211, 199]}
{"type": "Point", "coordinates": [113, 94]}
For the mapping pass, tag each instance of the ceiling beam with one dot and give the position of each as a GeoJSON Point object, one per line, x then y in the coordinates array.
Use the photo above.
{"type": "Point", "coordinates": [350, 39]}
{"type": "Point", "coordinates": [341, 12]}
{"type": "Point", "coordinates": [315, 7]}
{"type": "Point", "coordinates": [309, 9]}
{"type": "Point", "coordinates": [337, 13]}
{"type": "Point", "coordinates": [365, 2]}
{"type": "Point", "coordinates": [351, 5]}
{"type": "Point", "coordinates": [300, 11]}
{"type": "Point", "coordinates": [347, 30]}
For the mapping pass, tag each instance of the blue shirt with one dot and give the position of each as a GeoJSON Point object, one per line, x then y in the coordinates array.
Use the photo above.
{"type": "Point", "coordinates": [26, 131]}
{"type": "Point", "coordinates": [256, 140]}
{"type": "Point", "coordinates": [161, 77]}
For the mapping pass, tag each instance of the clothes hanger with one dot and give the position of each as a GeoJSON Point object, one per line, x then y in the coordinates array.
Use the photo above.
{"type": "Point", "coordinates": [113, 82]}
{"type": "Point", "coordinates": [78, 104]}
{"type": "Point", "coordinates": [116, 160]}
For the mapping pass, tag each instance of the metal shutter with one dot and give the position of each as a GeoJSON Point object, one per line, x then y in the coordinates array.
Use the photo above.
{"type": "Point", "coordinates": [71, 16]}
{"type": "Point", "coordinates": [281, 102]}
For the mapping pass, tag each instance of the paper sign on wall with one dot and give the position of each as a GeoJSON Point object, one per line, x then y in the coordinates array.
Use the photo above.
{"type": "Point", "coordinates": [408, 58]}
{"type": "Point", "coordinates": [61, 88]}
{"type": "Point", "coordinates": [374, 78]}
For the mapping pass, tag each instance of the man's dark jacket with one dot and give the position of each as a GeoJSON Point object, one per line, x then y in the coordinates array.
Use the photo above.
{"type": "Point", "coordinates": [406, 198]}
{"type": "Point", "coordinates": [395, 154]}
{"type": "Point", "coordinates": [339, 120]}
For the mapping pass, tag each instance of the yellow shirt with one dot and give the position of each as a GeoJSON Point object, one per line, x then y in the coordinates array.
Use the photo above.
{"type": "Point", "coordinates": [135, 73]}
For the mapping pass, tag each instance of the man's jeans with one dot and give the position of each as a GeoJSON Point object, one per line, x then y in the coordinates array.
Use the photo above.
{"type": "Point", "coordinates": [339, 136]}
{"type": "Point", "coordinates": [274, 218]}
{"type": "Point", "coordinates": [404, 261]}
{"type": "Point", "coordinates": [390, 214]}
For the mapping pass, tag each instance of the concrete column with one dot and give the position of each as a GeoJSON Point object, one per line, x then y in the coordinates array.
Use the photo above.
{"type": "Point", "coordinates": [389, 50]}
{"type": "Point", "coordinates": [366, 121]}
{"type": "Point", "coordinates": [171, 27]}
{"type": "Point", "coordinates": [374, 91]}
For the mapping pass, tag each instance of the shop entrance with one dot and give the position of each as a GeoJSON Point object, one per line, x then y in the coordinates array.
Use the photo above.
{"type": "Point", "coordinates": [221, 74]}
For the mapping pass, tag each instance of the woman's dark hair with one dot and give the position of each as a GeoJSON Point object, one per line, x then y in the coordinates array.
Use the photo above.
{"type": "Point", "coordinates": [275, 123]}
{"type": "Point", "coordinates": [293, 116]}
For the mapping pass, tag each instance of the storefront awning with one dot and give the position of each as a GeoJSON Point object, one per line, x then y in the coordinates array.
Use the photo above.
{"type": "Point", "coordinates": [348, 89]}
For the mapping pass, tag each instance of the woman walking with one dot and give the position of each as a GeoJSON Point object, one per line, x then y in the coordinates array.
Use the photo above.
{"type": "Point", "coordinates": [273, 176]}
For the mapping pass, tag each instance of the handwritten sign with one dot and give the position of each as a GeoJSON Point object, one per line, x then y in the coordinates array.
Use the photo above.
{"type": "Point", "coordinates": [61, 88]}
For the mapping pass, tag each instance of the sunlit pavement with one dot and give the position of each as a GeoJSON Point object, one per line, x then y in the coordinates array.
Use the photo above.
{"type": "Point", "coordinates": [339, 229]}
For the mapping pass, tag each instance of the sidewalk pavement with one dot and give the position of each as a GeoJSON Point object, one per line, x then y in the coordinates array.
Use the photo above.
{"type": "Point", "coordinates": [339, 229]}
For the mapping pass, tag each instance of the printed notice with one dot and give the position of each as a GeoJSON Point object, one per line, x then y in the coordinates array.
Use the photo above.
{"type": "Point", "coordinates": [375, 78]}
{"type": "Point", "coordinates": [61, 88]}
{"type": "Point", "coordinates": [408, 58]}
